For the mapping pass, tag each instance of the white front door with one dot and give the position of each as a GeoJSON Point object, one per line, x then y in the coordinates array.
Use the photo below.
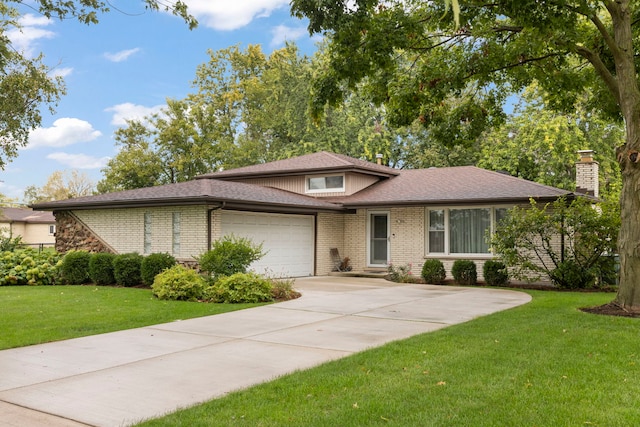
{"type": "Point", "coordinates": [378, 236]}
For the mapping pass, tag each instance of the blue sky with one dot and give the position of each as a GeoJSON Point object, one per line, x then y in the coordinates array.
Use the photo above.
{"type": "Point", "coordinates": [126, 67]}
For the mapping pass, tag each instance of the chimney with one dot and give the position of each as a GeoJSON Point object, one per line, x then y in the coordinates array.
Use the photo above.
{"type": "Point", "coordinates": [379, 158]}
{"type": "Point", "coordinates": [587, 174]}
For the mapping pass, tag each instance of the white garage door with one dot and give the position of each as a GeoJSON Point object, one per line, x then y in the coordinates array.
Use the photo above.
{"type": "Point", "coordinates": [287, 239]}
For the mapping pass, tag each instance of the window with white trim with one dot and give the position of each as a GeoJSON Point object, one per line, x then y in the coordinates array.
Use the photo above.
{"type": "Point", "coordinates": [461, 231]}
{"type": "Point", "coordinates": [147, 232]}
{"type": "Point", "coordinates": [325, 184]}
{"type": "Point", "coordinates": [175, 233]}
{"type": "Point", "coordinates": [52, 229]}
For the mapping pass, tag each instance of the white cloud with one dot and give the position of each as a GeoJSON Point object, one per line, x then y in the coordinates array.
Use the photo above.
{"type": "Point", "coordinates": [129, 111]}
{"type": "Point", "coordinates": [282, 33]}
{"type": "Point", "coordinates": [24, 38]}
{"type": "Point", "coordinates": [231, 15]}
{"type": "Point", "coordinates": [79, 161]}
{"type": "Point", "coordinates": [123, 55]}
{"type": "Point", "coordinates": [65, 131]}
{"type": "Point", "coordinates": [61, 72]}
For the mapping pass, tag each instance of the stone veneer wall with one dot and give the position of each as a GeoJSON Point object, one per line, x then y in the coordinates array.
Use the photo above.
{"type": "Point", "coordinates": [71, 233]}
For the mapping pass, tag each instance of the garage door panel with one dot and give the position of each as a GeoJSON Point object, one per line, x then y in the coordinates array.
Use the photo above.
{"type": "Point", "coordinates": [288, 240]}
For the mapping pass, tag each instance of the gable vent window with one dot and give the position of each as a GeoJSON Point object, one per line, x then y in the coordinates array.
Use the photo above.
{"type": "Point", "coordinates": [325, 184]}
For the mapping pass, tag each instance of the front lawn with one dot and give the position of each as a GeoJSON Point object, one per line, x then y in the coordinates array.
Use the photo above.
{"type": "Point", "coordinates": [37, 314]}
{"type": "Point", "coordinates": [542, 364]}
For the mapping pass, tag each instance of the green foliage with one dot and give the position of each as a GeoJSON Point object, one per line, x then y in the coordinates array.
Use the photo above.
{"type": "Point", "coordinates": [571, 275]}
{"type": "Point", "coordinates": [101, 268]}
{"type": "Point", "coordinates": [564, 241]}
{"type": "Point", "coordinates": [495, 273]}
{"type": "Point", "coordinates": [241, 288]}
{"type": "Point", "coordinates": [10, 243]}
{"type": "Point", "coordinates": [74, 269]}
{"type": "Point", "coordinates": [154, 264]}
{"type": "Point", "coordinates": [433, 272]}
{"type": "Point", "coordinates": [400, 273]}
{"type": "Point", "coordinates": [179, 283]}
{"type": "Point", "coordinates": [230, 255]}
{"type": "Point", "coordinates": [126, 269]}
{"type": "Point", "coordinates": [464, 272]}
{"type": "Point", "coordinates": [29, 267]}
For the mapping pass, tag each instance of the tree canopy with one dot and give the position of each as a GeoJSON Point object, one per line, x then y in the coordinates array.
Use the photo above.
{"type": "Point", "coordinates": [412, 57]}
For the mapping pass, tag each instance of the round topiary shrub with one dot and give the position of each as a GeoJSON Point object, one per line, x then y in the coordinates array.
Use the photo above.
{"type": "Point", "coordinates": [464, 272]}
{"type": "Point", "coordinates": [495, 273]}
{"type": "Point", "coordinates": [74, 269]}
{"type": "Point", "coordinates": [101, 268]}
{"type": "Point", "coordinates": [179, 283]}
{"type": "Point", "coordinates": [241, 288]}
{"type": "Point", "coordinates": [155, 264]}
{"type": "Point", "coordinates": [433, 272]}
{"type": "Point", "coordinates": [126, 269]}
{"type": "Point", "coordinates": [230, 255]}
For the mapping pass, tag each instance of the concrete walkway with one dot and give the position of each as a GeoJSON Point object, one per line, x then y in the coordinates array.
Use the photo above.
{"type": "Point", "coordinates": [119, 378]}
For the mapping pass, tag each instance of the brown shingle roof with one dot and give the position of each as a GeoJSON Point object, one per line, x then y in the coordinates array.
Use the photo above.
{"type": "Point", "coordinates": [200, 191]}
{"type": "Point", "coordinates": [320, 162]}
{"type": "Point", "coordinates": [463, 184]}
{"type": "Point", "coordinates": [26, 215]}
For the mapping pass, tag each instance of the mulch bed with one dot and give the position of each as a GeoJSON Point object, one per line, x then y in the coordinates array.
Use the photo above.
{"type": "Point", "coordinates": [611, 309]}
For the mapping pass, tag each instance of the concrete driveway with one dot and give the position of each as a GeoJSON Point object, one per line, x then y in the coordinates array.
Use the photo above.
{"type": "Point", "coordinates": [120, 378]}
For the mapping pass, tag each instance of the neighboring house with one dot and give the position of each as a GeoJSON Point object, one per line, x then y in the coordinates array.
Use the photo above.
{"type": "Point", "coordinates": [301, 208]}
{"type": "Point", "coordinates": [36, 228]}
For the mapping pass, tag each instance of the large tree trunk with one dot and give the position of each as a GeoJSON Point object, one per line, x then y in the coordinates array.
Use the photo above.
{"type": "Point", "coordinates": [629, 240]}
{"type": "Point", "coordinates": [628, 96]}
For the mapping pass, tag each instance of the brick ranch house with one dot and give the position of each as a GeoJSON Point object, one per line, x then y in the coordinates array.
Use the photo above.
{"type": "Point", "coordinates": [301, 208]}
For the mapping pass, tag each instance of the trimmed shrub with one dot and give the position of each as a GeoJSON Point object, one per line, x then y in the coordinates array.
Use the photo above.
{"type": "Point", "coordinates": [179, 283]}
{"type": "Point", "coordinates": [495, 273]}
{"type": "Point", "coordinates": [126, 269]}
{"type": "Point", "coordinates": [464, 272]}
{"type": "Point", "coordinates": [155, 264]}
{"type": "Point", "coordinates": [241, 288]}
{"type": "Point", "coordinates": [101, 268]}
{"type": "Point", "coordinates": [230, 255]}
{"type": "Point", "coordinates": [433, 272]}
{"type": "Point", "coordinates": [74, 269]}
{"type": "Point", "coordinates": [571, 275]}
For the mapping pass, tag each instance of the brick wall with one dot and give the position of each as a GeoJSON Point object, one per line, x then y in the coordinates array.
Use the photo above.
{"type": "Point", "coordinates": [123, 229]}
{"type": "Point", "coordinates": [329, 234]}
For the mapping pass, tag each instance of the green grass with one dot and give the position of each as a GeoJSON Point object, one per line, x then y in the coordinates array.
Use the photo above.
{"type": "Point", "coordinates": [542, 364]}
{"type": "Point", "coordinates": [37, 314]}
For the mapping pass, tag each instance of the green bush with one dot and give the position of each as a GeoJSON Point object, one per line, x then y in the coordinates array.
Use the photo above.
{"type": "Point", "coordinates": [241, 288]}
{"type": "Point", "coordinates": [179, 283]}
{"type": "Point", "coordinates": [155, 264]}
{"type": "Point", "coordinates": [464, 272]}
{"type": "Point", "coordinates": [433, 271]}
{"type": "Point", "coordinates": [571, 275]}
{"type": "Point", "coordinates": [74, 269]}
{"type": "Point", "coordinates": [230, 255]}
{"type": "Point", "coordinates": [495, 273]}
{"type": "Point", "coordinates": [29, 267]}
{"type": "Point", "coordinates": [101, 268]}
{"type": "Point", "coordinates": [9, 243]}
{"type": "Point", "coordinates": [126, 269]}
